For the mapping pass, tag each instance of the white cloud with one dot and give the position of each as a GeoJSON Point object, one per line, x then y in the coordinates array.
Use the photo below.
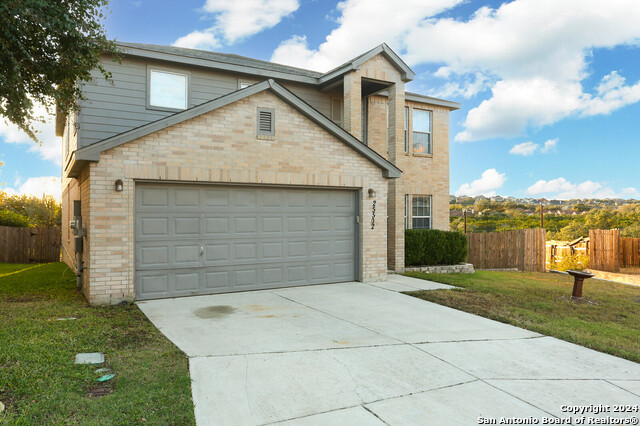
{"type": "Point", "coordinates": [363, 24]}
{"type": "Point", "coordinates": [529, 148]}
{"type": "Point", "coordinates": [536, 50]}
{"type": "Point", "coordinates": [533, 54]}
{"type": "Point", "coordinates": [549, 146]}
{"type": "Point", "coordinates": [198, 40]}
{"type": "Point", "coordinates": [630, 192]}
{"type": "Point", "coordinates": [524, 148]}
{"type": "Point", "coordinates": [38, 186]}
{"type": "Point", "coordinates": [612, 95]}
{"type": "Point", "coordinates": [51, 147]}
{"type": "Point", "coordinates": [561, 188]}
{"type": "Point", "coordinates": [237, 19]}
{"type": "Point", "coordinates": [489, 181]}
{"type": "Point", "coordinates": [517, 104]}
{"type": "Point", "coordinates": [466, 89]}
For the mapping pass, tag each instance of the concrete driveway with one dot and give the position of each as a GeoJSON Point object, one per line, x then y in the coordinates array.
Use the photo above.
{"type": "Point", "coordinates": [364, 354]}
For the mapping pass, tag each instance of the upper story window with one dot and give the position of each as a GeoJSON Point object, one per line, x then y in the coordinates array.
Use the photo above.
{"type": "Point", "coordinates": [168, 90]}
{"type": "Point", "coordinates": [421, 132]}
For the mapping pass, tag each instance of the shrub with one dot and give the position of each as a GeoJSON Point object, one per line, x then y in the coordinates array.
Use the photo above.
{"type": "Point", "coordinates": [434, 247]}
{"type": "Point", "coordinates": [41, 211]}
{"type": "Point", "coordinates": [9, 218]}
{"type": "Point", "coordinates": [576, 261]}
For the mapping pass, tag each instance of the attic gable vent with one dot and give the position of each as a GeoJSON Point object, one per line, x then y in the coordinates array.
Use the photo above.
{"type": "Point", "coordinates": [266, 121]}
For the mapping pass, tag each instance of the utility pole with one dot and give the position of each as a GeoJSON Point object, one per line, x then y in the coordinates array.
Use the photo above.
{"type": "Point", "coordinates": [464, 214]}
{"type": "Point", "coordinates": [541, 216]}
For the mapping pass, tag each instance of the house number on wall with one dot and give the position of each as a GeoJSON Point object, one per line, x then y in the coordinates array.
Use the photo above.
{"type": "Point", "coordinates": [373, 215]}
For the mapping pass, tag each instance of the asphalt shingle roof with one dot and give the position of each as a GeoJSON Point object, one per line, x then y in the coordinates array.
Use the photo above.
{"type": "Point", "coordinates": [227, 58]}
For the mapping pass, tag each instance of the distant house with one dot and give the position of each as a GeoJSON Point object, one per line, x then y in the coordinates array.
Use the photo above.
{"type": "Point", "coordinates": [198, 172]}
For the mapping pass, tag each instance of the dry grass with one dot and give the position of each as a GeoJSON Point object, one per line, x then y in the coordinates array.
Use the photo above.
{"type": "Point", "coordinates": [607, 320]}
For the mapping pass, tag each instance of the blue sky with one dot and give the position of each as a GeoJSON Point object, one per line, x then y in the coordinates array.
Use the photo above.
{"type": "Point", "coordinates": [550, 90]}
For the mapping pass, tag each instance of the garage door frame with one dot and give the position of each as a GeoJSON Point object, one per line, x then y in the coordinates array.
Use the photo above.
{"type": "Point", "coordinates": [356, 191]}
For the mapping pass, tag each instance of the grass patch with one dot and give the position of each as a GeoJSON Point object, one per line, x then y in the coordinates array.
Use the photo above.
{"type": "Point", "coordinates": [39, 382]}
{"type": "Point", "coordinates": [8, 268]}
{"type": "Point", "coordinates": [607, 320]}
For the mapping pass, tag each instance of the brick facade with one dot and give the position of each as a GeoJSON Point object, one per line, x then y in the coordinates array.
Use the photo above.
{"type": "Point", "coordinates": [219, 147]}
{"type": "Point", "coordinates": [421, 174]}
{"type": "Point", "coordinates": [222, 147]}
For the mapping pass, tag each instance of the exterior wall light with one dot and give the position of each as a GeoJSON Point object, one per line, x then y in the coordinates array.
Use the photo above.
{"type": "Point", "coordinates": [119, 185]}
{"type": "Point", "coordinates": [372, 193]}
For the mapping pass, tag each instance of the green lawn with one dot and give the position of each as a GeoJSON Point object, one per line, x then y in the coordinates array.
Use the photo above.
{"type": "Point", "coordinates": [39, 382]}
{"type": "Point", "coordinates": [608, 319]}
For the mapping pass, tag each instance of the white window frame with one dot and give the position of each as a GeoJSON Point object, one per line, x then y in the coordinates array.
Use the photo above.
{"type": "Point", "coordinates": [429, 133]}
{"type": "Point", "coordinates": [429, 200]}
{"type": "Point", "coordinates": [244, 84]}
{"type": "Point", "coordinates": [187, 74]}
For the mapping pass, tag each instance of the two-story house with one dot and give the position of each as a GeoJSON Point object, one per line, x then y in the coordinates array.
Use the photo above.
{"type": "Point", "coordinates": [196, 172]}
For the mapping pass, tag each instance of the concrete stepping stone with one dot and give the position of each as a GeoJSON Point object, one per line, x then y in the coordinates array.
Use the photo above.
{"type": "Point", "coordinates": [90, 358]}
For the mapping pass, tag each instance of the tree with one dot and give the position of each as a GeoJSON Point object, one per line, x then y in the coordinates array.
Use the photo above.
{"type": "Point", "coordinates": [44, 211]}
{"type": "Point", "coordinates": [47, 48]}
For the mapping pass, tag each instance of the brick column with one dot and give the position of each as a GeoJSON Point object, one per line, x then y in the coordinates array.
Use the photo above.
{"type": "Point", "coordinates": [395, 209]}
{"type": "Point", "coordinates": [353, 103]}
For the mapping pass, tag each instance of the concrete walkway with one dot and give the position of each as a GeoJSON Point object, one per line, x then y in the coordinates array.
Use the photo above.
{"type": "Point", "coordinates": [363, 354]}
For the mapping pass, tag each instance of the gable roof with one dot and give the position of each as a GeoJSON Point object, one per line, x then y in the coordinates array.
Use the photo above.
{"type": "Point", "coordinates": [225, 61]}
{"type": "Point", "coordinates": [242, 64]}
{"type": "Point", "coordinates": [406, 73]}
{"type": "Point", "coordinates": [92, 152]}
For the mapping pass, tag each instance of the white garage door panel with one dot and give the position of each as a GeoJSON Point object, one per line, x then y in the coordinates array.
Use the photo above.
{"type": "Point", "coordinates": [206, 239]}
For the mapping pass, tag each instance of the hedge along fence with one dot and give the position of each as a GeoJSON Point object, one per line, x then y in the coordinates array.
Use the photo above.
{"type": "Point", "coordinates": [424, 247]}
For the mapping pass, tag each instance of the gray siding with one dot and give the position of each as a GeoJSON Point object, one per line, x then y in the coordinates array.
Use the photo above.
{"type": "Point", "coordinates": [317, 99]}
{"type": "Point", "coordinates": [115, 108]}
{"type": "Point", "coordinates": [119, 106]}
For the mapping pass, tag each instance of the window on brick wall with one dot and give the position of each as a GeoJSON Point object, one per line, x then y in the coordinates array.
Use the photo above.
{"type": "Point", "coordinates": [421, 120]}
{"type": "Point", "coordinates": [421, 212]}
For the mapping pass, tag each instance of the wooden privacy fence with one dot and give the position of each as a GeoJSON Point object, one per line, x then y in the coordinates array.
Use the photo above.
{"type": "Point", "coordinates": [524, 249]}
{"type": "Point", "coordinates": [26, 245]}
{"type": "Point", "coordinates": [604, 249]}
{"type": "Point", "coordinates": [629, 252]}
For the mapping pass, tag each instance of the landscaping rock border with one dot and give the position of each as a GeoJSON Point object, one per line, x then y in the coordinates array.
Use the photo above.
{"type": "Point", "coordinates": [462, 268]}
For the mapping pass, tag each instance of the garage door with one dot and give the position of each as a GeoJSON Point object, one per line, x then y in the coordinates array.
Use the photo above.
{"type": "Point", "coordinates": [203, 239]}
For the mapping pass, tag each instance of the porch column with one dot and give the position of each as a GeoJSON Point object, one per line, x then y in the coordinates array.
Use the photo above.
{"type": "Point", "coordinates": [395, 229]}
{"type": "Point", "coordinates": [353, 103]}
